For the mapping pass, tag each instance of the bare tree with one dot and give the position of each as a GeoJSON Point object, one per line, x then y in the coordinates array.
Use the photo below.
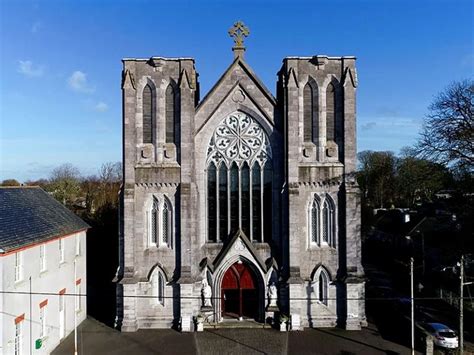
{"type": "Point", "coordinates": [447, 136]}
{"type": "Point", "coordinates": [10, 182]}
{"type": "Point", "coordinates": [110, 172]}
{"type": "Point", "coordinates": [376, 177]}
{"type": "Point", "coordinates": [64, 183]}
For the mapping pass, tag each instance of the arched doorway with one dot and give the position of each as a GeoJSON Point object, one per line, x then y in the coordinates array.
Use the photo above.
{"type": "Point", "coordinates": [239, 292]}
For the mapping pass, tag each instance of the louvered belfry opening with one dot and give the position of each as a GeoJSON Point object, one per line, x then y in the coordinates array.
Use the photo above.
{"type": "Point", "coordinates": [147, 110]}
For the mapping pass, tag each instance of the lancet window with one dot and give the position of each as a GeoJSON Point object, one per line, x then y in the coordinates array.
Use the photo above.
{"type": "Point", "coordinates": [239, 180]}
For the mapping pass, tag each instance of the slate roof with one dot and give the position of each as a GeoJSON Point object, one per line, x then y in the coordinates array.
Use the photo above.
{"type": "Point", "coordinates": [29, 215]}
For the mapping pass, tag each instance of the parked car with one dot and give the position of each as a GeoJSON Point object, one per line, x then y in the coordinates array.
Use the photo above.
{"type": "Point", "coordinates": [443, 336]}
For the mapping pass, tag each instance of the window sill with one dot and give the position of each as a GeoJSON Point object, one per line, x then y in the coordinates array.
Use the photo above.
{"type": "Point", "coordinates": [322, 246]}
{"type": "Point", "coordinates": [19, 282]}
{"type": "Point", "coordinates": [159, 247]}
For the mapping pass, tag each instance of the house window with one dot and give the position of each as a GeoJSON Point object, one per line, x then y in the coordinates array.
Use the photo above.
{"type": "Point", "coordinates": [158, 285]}
{"type": "Point", "coordinates": [19, 336]}
{"type": "Point", "coordinates": [18, 266]}
{"type": "Point", "coordinates": [160, 223]}
{"type": "Point", "coordinates": [322, 221]}
{"type": "Point", "coordinates": [61, 250]}
{"type": "Point", "coordinates": [239, 180]}
{"type": "Point", "coordinates": [78, 245]}
{"type": "Point", "coordinates": [322, 286]}
{"type": "Point", "coordinates": [42, 251]}
{"type": "Point", "coordinates": [42, 319]}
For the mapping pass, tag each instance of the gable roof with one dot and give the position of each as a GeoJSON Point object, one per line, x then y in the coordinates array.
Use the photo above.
{"type": "Point", "coordinates": [238, 62]}
{"type": "Point", "coordinates": [29, 215]}
{"type": "Point", "coordinates": [225, 250]}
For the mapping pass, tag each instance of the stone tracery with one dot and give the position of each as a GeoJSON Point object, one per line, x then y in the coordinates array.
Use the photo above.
{"type": "Point", "coordinates": [239, 138]}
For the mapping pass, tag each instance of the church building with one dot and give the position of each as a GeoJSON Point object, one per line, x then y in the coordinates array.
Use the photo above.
{"type": "Point", "coordinates": [241, 205]}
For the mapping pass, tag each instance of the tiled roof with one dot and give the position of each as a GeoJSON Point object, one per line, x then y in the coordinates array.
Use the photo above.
{"type": "Point", "coordinates": [29, 215]}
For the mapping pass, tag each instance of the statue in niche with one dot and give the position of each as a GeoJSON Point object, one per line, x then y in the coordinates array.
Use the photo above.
{"type": "Point", "coordinates": [206, 293]}
{"type": "Point", "coordinates": [272, 294]}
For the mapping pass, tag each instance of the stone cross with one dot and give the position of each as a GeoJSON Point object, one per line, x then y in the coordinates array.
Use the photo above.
{"type": "Point", "coordinates": [238, 32]}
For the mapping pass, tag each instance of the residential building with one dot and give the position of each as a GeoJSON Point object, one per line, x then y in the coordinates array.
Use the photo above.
{"type": "Point", "coordinates": [42, 271]}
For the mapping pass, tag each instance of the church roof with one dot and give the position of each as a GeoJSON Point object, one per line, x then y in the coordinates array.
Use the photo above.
{"type": "Point", "coordinates": [29, 215]}
{"type": "Point", "coordinates": [251, 74]}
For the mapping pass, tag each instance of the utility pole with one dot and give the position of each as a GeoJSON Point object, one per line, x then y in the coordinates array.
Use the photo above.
{"type": "Point", "coordinates": [412, 309]}
{"type": "Point", "coordinates": [461, 309]}
{"type": "Point", "coordinates": [75, 308]}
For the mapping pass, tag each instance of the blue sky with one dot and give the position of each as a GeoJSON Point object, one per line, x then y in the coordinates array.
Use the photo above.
{"type": "Point", "coordinates": [60, 67]}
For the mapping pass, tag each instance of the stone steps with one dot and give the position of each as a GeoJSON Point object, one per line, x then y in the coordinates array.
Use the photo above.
{"type": "Point", "coordinates": [245, 324]}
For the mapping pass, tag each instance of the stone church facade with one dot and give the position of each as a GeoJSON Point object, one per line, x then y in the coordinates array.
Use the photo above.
{"type": "Point", "coordinates": [240, 205]}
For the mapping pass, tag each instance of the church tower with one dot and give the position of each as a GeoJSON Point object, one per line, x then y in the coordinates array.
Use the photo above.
{"type": "Point", "coordinates": [240, 205]}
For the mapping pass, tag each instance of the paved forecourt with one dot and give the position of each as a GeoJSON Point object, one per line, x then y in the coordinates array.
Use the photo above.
{"type": "Point", "coordinates": [96, 338]}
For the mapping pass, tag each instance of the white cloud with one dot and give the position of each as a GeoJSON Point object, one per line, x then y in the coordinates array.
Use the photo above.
{"type": "Point", "coordinates": [101, 107]}
{"type": "Point", "coordinates": [78, 82]}
{"type": "Point", "coordinates": [27, 68]}
{"type": "Point", "coordinates": [36, 27]}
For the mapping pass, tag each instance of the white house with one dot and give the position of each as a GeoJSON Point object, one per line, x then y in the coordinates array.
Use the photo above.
{"type": "Point", "coordinates": [42, 271]}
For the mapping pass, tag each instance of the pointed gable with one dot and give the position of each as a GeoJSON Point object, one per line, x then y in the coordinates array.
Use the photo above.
{"type": "Point", "coordinates": [239, 244]}
{"type": "Point", "coordinates": [239, 74]}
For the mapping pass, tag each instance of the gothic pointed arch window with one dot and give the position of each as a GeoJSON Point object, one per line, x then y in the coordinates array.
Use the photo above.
{"type": "Point", "coordinates": [308, 113]}
{"type": "Point", "coordinates": [330, 113]}
{"type": "Point", "coordinates": [321, 285]}
{"type": "Point", "coordinates": [322, 223]}
{"type": "Point", "coordinates": [314, 215]}
{"type": "Point", "coordinates": [328, 221]}
{"type": "Point", "coordinates": [171, 115]}
{"type": "Point", "coordinates": [147, 111]}
{"type": "Point", "coordinates": [154, 218]}
{"type": "Point", "coordinates": [158, 286]}
{"type": "Point", "coordinates": [239, 180]}
{"type": "Point", "coordinates": [166, 223]}
{"type": "Point", "coordinates": [160, 223]}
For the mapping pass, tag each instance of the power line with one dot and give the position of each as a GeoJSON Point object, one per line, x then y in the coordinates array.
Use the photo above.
{"type": "Point", "coordinates": [216, 298]}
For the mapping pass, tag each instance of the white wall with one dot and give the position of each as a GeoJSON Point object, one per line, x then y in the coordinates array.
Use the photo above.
{"type": "Point", "coordinates": [56, 277]}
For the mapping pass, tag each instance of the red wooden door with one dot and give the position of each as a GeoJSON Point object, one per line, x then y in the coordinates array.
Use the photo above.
{"type": "Point", "coordinates": [239, 292]}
